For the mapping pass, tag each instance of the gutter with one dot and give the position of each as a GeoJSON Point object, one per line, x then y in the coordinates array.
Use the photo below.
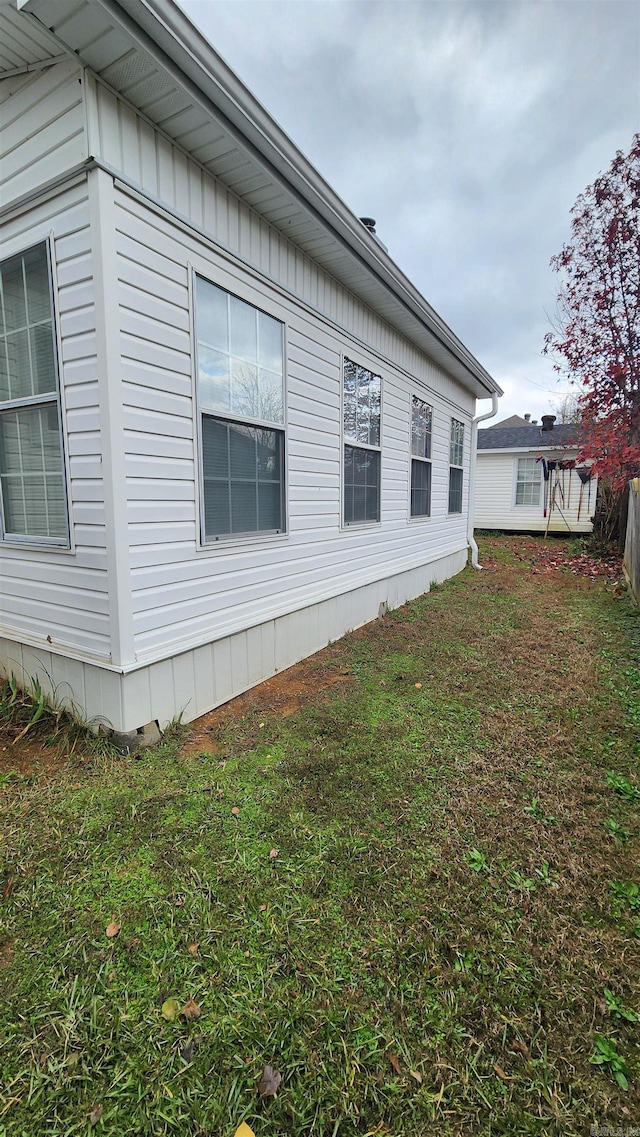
{"type": "Point", "coordinates": [472, 477]}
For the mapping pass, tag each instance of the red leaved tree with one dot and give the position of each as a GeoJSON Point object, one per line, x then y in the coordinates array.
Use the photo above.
{"type": "Point", "coordinates": [597, 333]}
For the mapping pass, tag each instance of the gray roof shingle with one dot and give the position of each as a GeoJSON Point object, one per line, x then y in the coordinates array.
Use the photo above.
{"type": "Point", "coordinates": [528, 437]}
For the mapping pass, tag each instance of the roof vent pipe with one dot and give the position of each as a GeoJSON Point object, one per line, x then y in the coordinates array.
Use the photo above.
{"type": "Point", "coordinates": [548, 421]}
{"type": "Point", "coordinates": [527, 418]}
{"type": "Point", "coordinates": [369, 223]}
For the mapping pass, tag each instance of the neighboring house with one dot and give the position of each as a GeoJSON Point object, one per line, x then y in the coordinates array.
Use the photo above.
{"type": "Point", "coordinates": [527, 479]}
{"type": "Point", "coordinates": [230, 428]}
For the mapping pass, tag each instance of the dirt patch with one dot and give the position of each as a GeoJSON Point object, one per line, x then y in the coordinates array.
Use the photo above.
{"type": "Point", "coordinates": [6, 955]}
{"type": "Point", "coordinates": [29, 757]}
{"type": "Point", "coordinates": [284, 694]}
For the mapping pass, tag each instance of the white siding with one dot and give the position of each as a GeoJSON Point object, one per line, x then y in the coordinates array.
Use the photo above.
{"type": "Point", "coordinates": [52, 596]}
{"type": "Point", "coordinates": [185, 595]}
{"type": "Point", "coordinates": [42, 130]}
{"type": "Point", "coordinates": [495, 497]}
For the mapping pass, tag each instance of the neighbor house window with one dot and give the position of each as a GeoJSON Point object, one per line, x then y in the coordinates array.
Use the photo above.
{"type": "Point", "coordinates": [32, 481]}
{"type": "Point", "coordinates": [421, 419]}
{"type": "Point", "coordinates": [241, 399]}
{"type": "Point", "coordinates": [456, 450]}
{"type": "Point", "coordinates": [528, 482]}
{"type": "Point", "coordinates": [361, 428]}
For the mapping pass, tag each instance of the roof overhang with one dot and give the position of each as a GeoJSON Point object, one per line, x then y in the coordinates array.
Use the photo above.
{"type": "Point", "coordinates": [151, 54]}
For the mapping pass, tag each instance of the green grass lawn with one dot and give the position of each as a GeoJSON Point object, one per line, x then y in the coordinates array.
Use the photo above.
{"type": "Point", "coordinates": [417, 897]}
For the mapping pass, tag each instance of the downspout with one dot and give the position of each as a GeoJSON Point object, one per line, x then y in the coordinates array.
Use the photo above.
{"type": "Point", "coordinates": [472, 477]}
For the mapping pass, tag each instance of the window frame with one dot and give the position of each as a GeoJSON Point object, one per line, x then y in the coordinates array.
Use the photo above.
{"type": "Point", "coordinates": [250, 536]}
{"type": "Point", "coordinates": [427, 461]}
{"type": "Point", "coordinates": [527, 481]}
{"type": "Point", "coordinates": [51, 399]}
{"type": "Point", "coordinates": [455, 422]}
{"type": "Point", "coordinates": [364, 523]}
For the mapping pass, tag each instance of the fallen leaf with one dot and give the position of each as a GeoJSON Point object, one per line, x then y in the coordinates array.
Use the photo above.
{"type": "Point", "coordinates": [7, 888]}
{"type": "Point", "coordinates": [190, 1011]}
{"type": "Point", "coordinates": [170, 1009]}
{"type": "Point", "coordinates": [417, 1075]}
{"type": "Point", "coordinates": [393, 1058]}
{"type": "Point", "coordinates": [601, 1005]}
{"type": "Point", "coordinates": [235, 811]}
{"type": "Point", "coordinates": [521, 1047]}
{"type": "Point", "coordinates": [418, 686]}
{"type": "Point", "coordinates": [187, 1051]}
{"type": "Point", "coordinates": [96, 1114]}
{"type": "Point", "coordinates": [244, 1131]}
{"type": "Point", "coordinates": [501, 1074]}
{"type": "Point", "coordinates": [273, 854]}
{"type": "Point", "coordinates": [269, 1082]}
{"type": "Point", "coordinates": [112, 929]}
{"type": "Point", "coordinates": [193, 949]}
{"type": "Point", "coordinates": [263, 908]}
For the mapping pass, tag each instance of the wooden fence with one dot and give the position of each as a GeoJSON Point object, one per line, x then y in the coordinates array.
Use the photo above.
{"type": "Point", "coordinates": [632, 545]}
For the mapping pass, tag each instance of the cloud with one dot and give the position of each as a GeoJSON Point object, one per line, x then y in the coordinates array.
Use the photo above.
{"type": "Point", "coordinates": [466, 128]}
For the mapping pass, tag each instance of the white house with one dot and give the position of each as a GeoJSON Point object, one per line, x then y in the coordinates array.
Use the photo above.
{"type": "Point", "coordinates": [230, 427]}
{"type": "Point", "coordinates": [528, 479]}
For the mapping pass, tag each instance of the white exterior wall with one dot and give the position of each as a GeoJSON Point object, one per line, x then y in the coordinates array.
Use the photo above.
{"type": "Point", "coordinates": [495, 498]}
{"type": "Point", "coordinates": [42, 128]}
{"type": "Point", "coordinates": [184, 594]}
{"type": "Point", "coordinates": [137, 621]}
{"type": "Point", "coordinates": [50, 595]}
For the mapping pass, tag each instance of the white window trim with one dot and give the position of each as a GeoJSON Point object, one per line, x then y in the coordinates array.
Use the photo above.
{"type": "Point", "coordinates": [420, 518]}
{"type": "Point", "coordinates": [262, 537]}
{"type": "Point", "coordinates": [349, 526]}
{"type": "Point", "coordinates": [26, 540]}
{"type": "Point", "coordinates": [455, 466]}
{"type": "Point", "coordinates": [522, 505]}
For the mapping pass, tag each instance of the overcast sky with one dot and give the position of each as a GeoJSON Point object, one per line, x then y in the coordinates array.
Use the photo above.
{"type": "Point", "coordinates": [466, 128]}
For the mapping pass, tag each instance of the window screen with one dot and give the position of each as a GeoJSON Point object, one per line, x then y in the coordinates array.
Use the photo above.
{"type": "Point", "coordinates": [528, 482]}
{"type": "Point", "coordinates": [361, 430]}
{"type": "Point", "coordinates": [456, 452]}
{"type": "Point", "coordinates": [33, 495]}
{"type": "Point", "coordinates": [241, 395]}
{"type": "Point", "coordinates": [421, 420]}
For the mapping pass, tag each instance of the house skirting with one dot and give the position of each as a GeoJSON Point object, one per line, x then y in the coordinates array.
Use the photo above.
{"type": "Point", "coordinates": [195, 681]}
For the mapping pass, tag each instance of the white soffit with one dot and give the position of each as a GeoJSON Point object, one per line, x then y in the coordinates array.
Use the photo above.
{"type": "Point", "coordinates": [150, 53]}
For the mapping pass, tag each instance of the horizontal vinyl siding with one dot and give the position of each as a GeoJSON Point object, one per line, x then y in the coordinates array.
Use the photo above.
{"type": "Point", "coordinates": [42, 130]}
{"type": "Point", "coordinates": [495, 506]}
{"type": "Point", "coordinates": [47, 595]}
{"type": "Point", "coordinates": [125, 140]}
{"type": "Point", "coordinates": [183, 595]}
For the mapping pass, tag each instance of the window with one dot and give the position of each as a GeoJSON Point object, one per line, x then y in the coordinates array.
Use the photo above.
{"type": "Point", "coordinates": [361, 426]}
{"type": "Point", "coordinates": [241, 399]}
{"type": "Point", "coordinates": [528, 482]}
{"type": "Point", "coordinates": [456, 450]}
{"type": "Point", "coordinates": [32, 482]}
{"type": "Point", "coordinates": [421, 420]}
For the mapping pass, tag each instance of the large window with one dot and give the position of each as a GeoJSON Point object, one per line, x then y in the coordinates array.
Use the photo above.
{"type": "Point", "coordinates": [241, 397]}
{"type": "Point", "coordinates": [361, 428]}
{"type": "Point", "coordinates": [456, 451]}
{"type": "Point", "coordinates": [32, 483]}
{"type": "Point", "coordinates": [528, 482]}
{"type": "Point", "coordinates": [421, 421]}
